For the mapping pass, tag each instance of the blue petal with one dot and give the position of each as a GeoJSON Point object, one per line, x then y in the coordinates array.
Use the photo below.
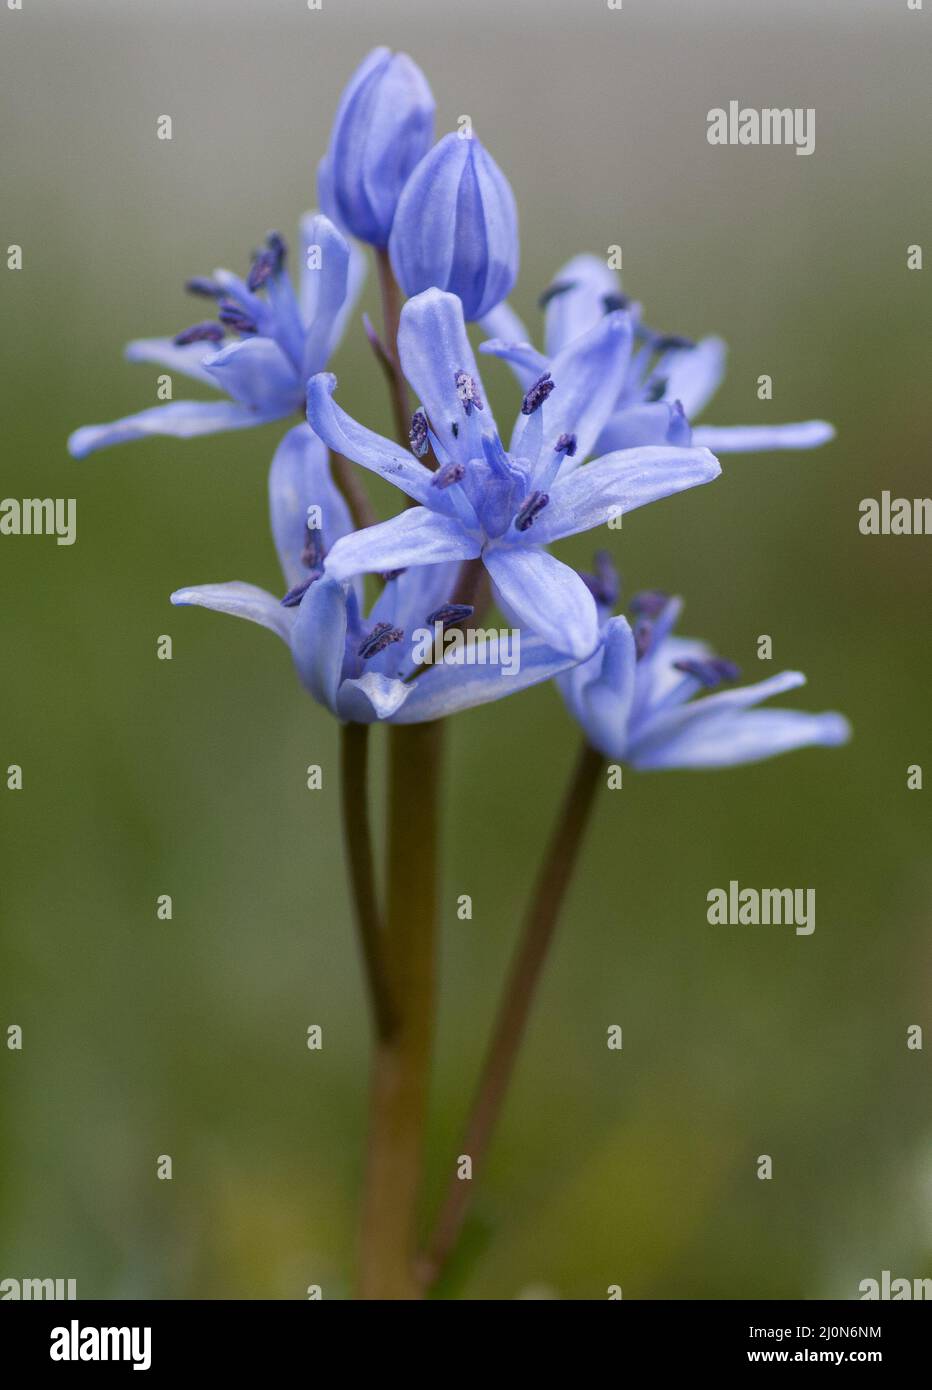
{"type": "Point", "coordinates": [415, 536]}
{"type": "Point", "coordinates": [635, 426]}
{"type": "Point", "coordinates": [586, 374]}
{"type": "Point", "coordinates": [371, 697]}
{"type": "Point", "coordinates": [574, 311]}
{"type": "Point", "coordinates": [448, 688]}
{"type": "Point", "coordinates": [324, 290]}
{"type": "Point", "coordinates": [746, 439]}
{"type": "Point", "coordinates": [433, 348]}
{"type": "Point", "coordinates": [600, 693]}
{"type": "Point", "coordinates": [728, 740]}
{"type": "Point", "coordinates": [165, 352]}
{"type": "Point", "coordinates": [181, 419]}
{"type": "Point", "coordinates": [693, 375]}
{"type": "Point", "coordinates": [373, 451]}
{"type": "Point", "coordinates": [242, 601]}
{"type": "Point", "coordinates": [527, 363]}
{"type": "Point", "coordinates": [318, 640]}
{"type": "Point", "coordinates": [618, 483]}
{"type": "Point", "coordinates": [539, 592]}
{"type": "Point", "coordinates": [298, 478]}
{"type": "Point", "coordinates": [256, 372]}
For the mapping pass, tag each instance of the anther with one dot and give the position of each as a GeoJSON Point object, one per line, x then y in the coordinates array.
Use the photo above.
{"type": "Point", "coordinates": [450, 613]}
{"type": "Point", "coordinates": [566, 444]}
{"type": "Point", "coordinates": [467, 388]}
{"type": "Point", "coordinates": [449, 474]}
{"type": "Point", "coordinates": [209, 332]}
{"type": "Point", "coordinates": [232, 315]}
{"type": "Point", "coordinates": [201, 285]}
{"type": "Point", "coordinates": [381, 636]}
{"type": "Point", "coordinates": [649, 603]}
{"type": "Point", "coordinates": [611, 302]}
{"type": "Point", "coordinates": [417, 434]}
{"type": "Point", "coordinates": [531, 508]}
{"type": "Point", "coordinates": [535, 396]}
{"type": "Point", "coordinates": [710, 671]}
{"type": "Point", "coordinates": [603, 584]}
{"type": "Point", "coordinates": [553, 291]}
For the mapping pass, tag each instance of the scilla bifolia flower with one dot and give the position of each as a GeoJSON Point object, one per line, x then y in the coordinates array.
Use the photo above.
{"type": "Point", "coordinates": [668, 380]}
{"type": "Point", "coordinates": [456, 227]}
{"type": "Point", "coordinates": [278, 339]}
{"type": "Point", "coordinates": [635, 698]}
{"type": "Point", "coordinates": [504, 506]}
{"type": "Point", "coordinates": [384, 125]}
{"type": "Point", "coordinates": [362, 668]}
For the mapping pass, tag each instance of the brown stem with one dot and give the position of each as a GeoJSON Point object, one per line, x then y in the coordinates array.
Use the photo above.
{"type": "Point", "coordinates": [401, 1065]}
{"type": "Point", "coordinates": [357, 837]}
{"type": "Point", "coordinates": [527, 965]}
{"type": "Point", "coordinates": [391, 314]}
{"type": "Point", "coordinates": [346, 477]}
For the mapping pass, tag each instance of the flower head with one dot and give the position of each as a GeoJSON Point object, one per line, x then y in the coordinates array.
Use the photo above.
{"type": "Point", "coordinates": [503, 505]}
{"type": "Point", "coordinates": [668, 379]}
{"type": "Point", "coordinates": [362, 667]}
{"type": "Point", "coordinates": [384, 125]}
{"type": "Point", "coordinates": [277, 339]}
{"type": "Point", "coordinates": [456, 227]}
{"type": "Point", "coordinates": [635, 698]}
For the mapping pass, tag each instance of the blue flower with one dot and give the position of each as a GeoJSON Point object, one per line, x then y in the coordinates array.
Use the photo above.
{"type": "Point", "coordinates": [280, 339]}
{"type": "Point", "coordinates": [668, 382]}
{"type": "Point", "coordinates": [503, 505]}
{"type": "Point", "coordinates": [384, 125]}
{"type": "Point", "coordinates": [361, 668]}
{"type": "Point", "coordinates": [456, 227]}
{"type": "Point", "coordinates": [634, 698]}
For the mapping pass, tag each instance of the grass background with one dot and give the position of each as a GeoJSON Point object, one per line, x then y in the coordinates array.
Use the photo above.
{"type": "Point", "coordinates": [187, 777]}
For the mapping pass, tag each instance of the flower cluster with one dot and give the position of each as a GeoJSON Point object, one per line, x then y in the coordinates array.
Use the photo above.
{"type": "Point", "coordinates": [605, 424]}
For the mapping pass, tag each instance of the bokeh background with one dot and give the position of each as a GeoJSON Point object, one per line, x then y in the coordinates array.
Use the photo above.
{"type": "Point", "coordinates": [188, 777]}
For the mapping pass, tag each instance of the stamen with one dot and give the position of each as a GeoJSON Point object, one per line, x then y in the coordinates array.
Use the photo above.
{"type": "Point", "coordinates": [711, 671]}
{"type": "Point", "coordinates": [552, 291]}
{"type": "Point", "coordinates": [232, 315]}
{"type": "Point", "coordinates": [532, 507]}
{"type": "Point", "coordinates": [655, 389]}
{"type": "Point", "coordinates": [381, 636]}
{"type": "Point", "coordinates": [566, 444]}
{"type": "Point", "coordinates": [387, 576]}
{"type": "Point", "coordinates": [199, 333]}
{"type": "Point", "coordinates": [536, 395]}
{"type": "Point", "coordinates": [267, 262]}
{"type": "Point", "coordinates": [611, 302]}
{"type": "Point", "coordinates": [454, 429]}
{"type": "Point", "coordinates": [649, 603]}
{"type": "Point", "coordinates": [295, 595]}
{"type": "Point", "coordinates": [467, 388]}
{"type": "Point", "coordinates": [313, 553]}
{"type": "Point", "coordinates": [417, 434]}
{"type": "Point", "coordinates": [450, 613]}
{"type": "Point", "coordinates": [643, 635]}
{"type": "Point", "coordinates": [673, 342]}
{"type": "Point", "coordinates": [207, 289]}
{"type": "Point", "coordinates": [448, 475]}
{"type": "Point", "coordinates": [603, 585]}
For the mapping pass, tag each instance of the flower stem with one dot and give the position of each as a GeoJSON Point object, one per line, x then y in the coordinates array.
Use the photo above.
{"type": "Point", "coordinates": [357, 837]}
{"type": "Point", "coordinates": [401, 1064]}
{"type": "Point", "coordinates": [553, 879]}
{"type": "Point", "coordinates": [391, 314]}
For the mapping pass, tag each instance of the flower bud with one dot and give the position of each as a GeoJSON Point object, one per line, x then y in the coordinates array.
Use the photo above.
{"type": "Point", "coordinates": [383, 127]}
{"type": "Point", "coordinates": [456, 227]}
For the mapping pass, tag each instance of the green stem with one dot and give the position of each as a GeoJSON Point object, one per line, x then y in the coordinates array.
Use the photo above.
{"type": "Point", "coordinates": [401, 1064]}
{"type": "Point", "coordinates": [553, 880]}
{"type": "Point", "coordinates": [357, 838]}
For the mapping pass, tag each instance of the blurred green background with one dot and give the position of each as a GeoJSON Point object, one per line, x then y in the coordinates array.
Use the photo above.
{"type": "Point", "coordinates": [187, 777]}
